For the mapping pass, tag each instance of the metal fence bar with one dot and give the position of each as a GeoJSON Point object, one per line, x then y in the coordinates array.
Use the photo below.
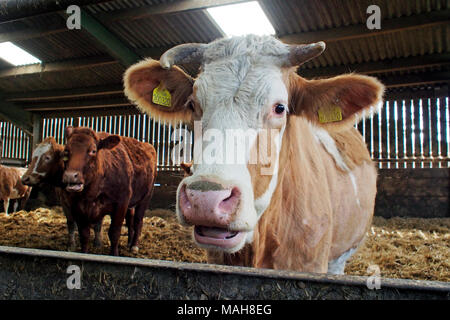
{"type": "Point", "coordinates": [15, 143]}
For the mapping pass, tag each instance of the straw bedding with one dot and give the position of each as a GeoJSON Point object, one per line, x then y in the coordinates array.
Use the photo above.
{"type": "Point", "coordinates": [409, 248]}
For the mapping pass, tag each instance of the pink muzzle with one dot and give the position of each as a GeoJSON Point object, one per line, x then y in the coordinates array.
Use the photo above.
{"type": "Point", "coordinates": [211, 211]}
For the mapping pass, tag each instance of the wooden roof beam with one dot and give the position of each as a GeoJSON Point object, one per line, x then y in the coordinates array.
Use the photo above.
{"type": "Point", "coordinates": [113, 45]}
{"type": "Point", "coordinates": [64, 94]}
{"type": "Point", "coordinates": [126, 110]}
{"type": "Point", "coordinates": [78, 104]}
{"type": "Point", "coordinates": [30, 33]}
{"type": "Point", "coordinates": [427, 78]}
{"type": "Point", "coordinates": [361, 31]}
{"type": "Point", "coordinates": [16, 115]}
{"type": "Point", "coordinates": [67, 65]}
{"type": "Point", "coordinates": [74, 64]}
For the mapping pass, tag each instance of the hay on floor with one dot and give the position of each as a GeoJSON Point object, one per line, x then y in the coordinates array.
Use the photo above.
{"type": "Point", "coordinates": [408, 248]}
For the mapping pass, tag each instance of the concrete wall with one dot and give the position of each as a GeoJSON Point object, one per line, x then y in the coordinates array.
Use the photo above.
{"type": "Point", "coordinates": [42, 274]}
{"type": "Point", "coordinates": [413, 193]}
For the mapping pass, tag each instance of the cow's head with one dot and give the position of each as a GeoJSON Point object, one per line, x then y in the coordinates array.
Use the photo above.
{"type": "Point", "coordinates": [81, 156]}
{"type": "Point", "coordinates": [46, 162]}
{"type": "Point", "coordinates": [247, 86]}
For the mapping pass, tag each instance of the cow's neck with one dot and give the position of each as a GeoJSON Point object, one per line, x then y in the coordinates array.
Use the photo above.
{"type": "Point", "coordinates": [290, 208]}
{"type": "Point", "coordinates": [57, 177]}
{"type": "Point", "coordinates": [97, 176]}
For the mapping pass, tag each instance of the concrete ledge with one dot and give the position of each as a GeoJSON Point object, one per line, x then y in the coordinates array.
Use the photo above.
{"type": "Point", "coordinates": [41, 274]}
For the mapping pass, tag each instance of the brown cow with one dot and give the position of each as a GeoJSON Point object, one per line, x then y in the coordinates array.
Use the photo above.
{"type": "Point", "coordinates": [11, 187]}
{"type": "Point", "coordinates": [301, 193]}
{"type": "Point", "coordinates": [47, 166]}
{"type": "Point", "coordinates": [108, 176]}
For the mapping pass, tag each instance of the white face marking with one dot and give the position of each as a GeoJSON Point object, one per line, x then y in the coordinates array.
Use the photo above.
{"type": "Point", "coordinates": [39, 152]}
{"type": "Point", "coordinates": [240, 82]}
{"type": "Point", "coordinates": [219, 119]}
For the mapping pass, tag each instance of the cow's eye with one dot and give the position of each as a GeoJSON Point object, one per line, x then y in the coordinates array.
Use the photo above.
{"type": "Point", "coordinates": [48, 158]}
{"type": "Point", "coordinates": [92, 152]}
{"type": "Point", "coordinates": [279, 108]}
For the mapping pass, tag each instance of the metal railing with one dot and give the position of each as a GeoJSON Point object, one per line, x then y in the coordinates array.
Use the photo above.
{"type": "Point", "coordinates": [409, 133]}
{"type": "Point", "coordinates": [16, 144]}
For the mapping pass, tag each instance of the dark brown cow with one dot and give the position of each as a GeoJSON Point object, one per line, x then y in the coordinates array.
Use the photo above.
{"type": "Point", "coordinates": [108, 176]}
{"type": "Point", "coordinates": [47, 167]}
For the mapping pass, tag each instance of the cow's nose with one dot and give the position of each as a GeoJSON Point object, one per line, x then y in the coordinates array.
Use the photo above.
{"type": "Point", "coordinates": [213, 207]}
{"type": "Point", "coordinates": [71, 176]}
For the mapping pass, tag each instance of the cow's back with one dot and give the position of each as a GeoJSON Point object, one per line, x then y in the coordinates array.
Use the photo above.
{"type": "Point", "coordinates": [11, 186]}
{"type": "Point", "coordinates": [142, 157]}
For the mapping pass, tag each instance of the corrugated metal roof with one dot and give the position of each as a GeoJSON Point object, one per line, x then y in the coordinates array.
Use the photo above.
{"type": "Point", "coordinates": [62, 46]}
{"type": "Point", "coordinates": [86, 77]}
{"type": "Point", "coordinates": [166, 30]}
{"type": "Point", "coordinates": [123, 4]}
{"type": "Point", "coordinates": [294, 16]}
{"type": "Point", "coordinates": [400, 44]}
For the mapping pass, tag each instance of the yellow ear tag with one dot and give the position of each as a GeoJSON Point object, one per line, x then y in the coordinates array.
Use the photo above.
{"type": "Point", "coordinates": [330, 114]}
{"type": "Point", "coordinates": [162, 97]}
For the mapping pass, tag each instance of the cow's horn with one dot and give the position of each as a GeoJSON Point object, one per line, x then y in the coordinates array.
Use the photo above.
{"type": "Point", "coordinates": [301, 53]}
{"type": "Point", "coordinates": [183, 54]}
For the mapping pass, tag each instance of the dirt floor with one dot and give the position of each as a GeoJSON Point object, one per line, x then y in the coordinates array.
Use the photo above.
{"type": "Point", "coordinates": [408, 248]}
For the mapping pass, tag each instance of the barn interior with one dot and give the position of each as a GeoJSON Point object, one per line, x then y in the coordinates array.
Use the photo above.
{"type": "Point", "coordinates": [78, 81]}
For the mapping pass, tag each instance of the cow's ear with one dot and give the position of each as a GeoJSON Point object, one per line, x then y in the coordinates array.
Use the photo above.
{"type": "Point", "coordinates": [187, 168]}
{"type": "Point", "coordinates": [59, 154]}
{"type": "Point", "coordinates": [336, 102]}
{"type": "Point", "coordinates": [108, 142]}
{"type": "Point", "coordinates": [68, 132]}
{"type": "Point", "coordinates": [159, 92]}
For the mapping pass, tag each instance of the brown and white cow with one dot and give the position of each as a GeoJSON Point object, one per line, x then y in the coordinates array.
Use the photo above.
{"type": "Point", "coordinates": [108, 175]}
{"type": "Point", "coordinates": [11, 188]}
{"type": "Point", "coordinates": [308, 200]}
{"type": "Point", "coordinates": [47, 167]}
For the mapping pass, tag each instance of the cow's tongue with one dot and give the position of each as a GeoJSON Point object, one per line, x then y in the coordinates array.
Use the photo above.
{"type": "Point", "coordinates": [213, 232]}
{"type": "Point", "coordinates": [75, 187]}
